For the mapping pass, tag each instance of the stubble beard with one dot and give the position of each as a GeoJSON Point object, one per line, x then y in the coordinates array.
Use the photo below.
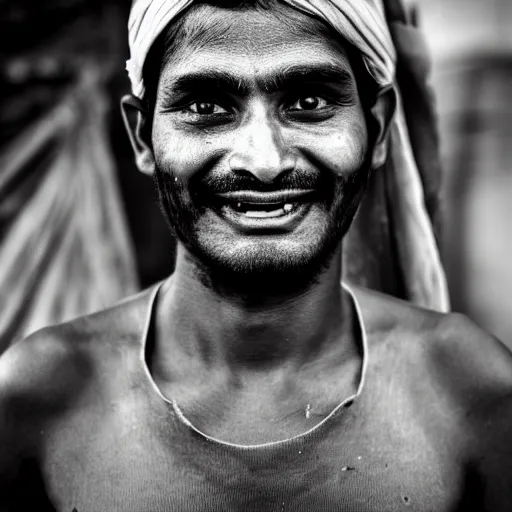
{"type": "Point", "coordinates": [267, 271]}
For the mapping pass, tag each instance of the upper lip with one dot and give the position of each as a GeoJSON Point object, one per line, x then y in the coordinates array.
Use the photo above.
{"type": "Point", "coordinates": [275, 197]}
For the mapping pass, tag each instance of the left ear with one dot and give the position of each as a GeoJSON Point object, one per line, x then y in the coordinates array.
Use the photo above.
{"type": "Point", "coordinates": [382, 112]}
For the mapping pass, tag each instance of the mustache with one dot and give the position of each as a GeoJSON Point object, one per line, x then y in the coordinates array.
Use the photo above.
{"type": "Point", "coordinates": [234, 182]}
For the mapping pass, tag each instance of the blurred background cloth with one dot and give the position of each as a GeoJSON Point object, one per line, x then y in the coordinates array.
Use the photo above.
{"type": "Point", "coordinates": [393, 244]}
{"type": "Point", "coordinates": [471, 42]}
{"type": "Point", "coordinates": [80, 227]}
{"type": "Point", "coordinates": [65, 249]}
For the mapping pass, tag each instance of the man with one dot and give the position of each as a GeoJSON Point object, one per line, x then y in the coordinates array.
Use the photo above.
{"type": "Point", "coordinates": [250, 380]}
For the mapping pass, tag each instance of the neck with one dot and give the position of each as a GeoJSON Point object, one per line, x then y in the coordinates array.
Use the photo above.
{"type": "Point", "coordinates": [252, 332]}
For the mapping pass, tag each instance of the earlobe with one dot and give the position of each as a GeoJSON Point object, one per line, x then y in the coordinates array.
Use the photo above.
{"type": "Point", "coordinates": [382, 112]}
{"type": "Point", "coordinates": [134, 117]}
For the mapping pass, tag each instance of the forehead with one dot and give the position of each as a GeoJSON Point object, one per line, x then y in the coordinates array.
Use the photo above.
{"type": "Point", "coordinates": [250, 41]}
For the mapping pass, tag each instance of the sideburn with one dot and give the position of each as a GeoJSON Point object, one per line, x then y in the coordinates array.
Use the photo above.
{"type": "Point", "coordinates": [175, 205]}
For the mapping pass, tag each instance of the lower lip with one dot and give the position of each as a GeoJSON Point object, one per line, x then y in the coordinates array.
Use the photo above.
{"type": "Point", "coordinates": [285, 222]}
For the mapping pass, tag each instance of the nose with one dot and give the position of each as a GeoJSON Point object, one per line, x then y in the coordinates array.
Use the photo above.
{"type": "Point", "coordinates": [260, 148]}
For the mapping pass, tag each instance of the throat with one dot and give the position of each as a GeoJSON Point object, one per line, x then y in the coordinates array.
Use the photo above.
{"type": "Point", "coordinates": [255, 375]}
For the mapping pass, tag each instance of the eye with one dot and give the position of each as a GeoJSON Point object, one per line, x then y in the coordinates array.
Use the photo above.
{"type": "Point", "coordinates": [309, 103]}
{"type": "Point", "coordinates": [206, 108]}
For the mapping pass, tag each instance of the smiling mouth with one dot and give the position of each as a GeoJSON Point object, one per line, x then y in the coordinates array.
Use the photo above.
{"type": "Point", "coordinates": [265, 205]}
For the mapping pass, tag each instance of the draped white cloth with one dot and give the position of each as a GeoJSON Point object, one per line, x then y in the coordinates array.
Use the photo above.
{"type": "Point", "coordinates": [363, 24]}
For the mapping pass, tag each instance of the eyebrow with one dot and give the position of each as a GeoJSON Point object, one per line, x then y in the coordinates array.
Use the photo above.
{"type": "Point", "coordinates": [297, 75]}
{"type": "Point", "coordinates": [291, 77]}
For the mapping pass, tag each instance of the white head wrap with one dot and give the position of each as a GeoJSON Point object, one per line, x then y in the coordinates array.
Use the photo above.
{"type": "Point", "coordinates": [363, 24]}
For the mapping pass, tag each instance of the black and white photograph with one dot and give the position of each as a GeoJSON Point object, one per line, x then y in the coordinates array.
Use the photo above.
{"type": "Point", "coordinates": [255, 256]}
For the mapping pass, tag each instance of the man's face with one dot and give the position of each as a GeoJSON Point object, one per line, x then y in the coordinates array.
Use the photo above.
{"type": "Point", "coordinates": [260, 143]}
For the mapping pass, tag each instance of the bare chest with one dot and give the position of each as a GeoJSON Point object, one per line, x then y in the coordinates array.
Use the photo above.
{"type": "Point", "coordinates": [130, 459]}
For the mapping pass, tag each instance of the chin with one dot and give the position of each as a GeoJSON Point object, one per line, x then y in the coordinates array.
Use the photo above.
{"type": "Point", "coordinates": [249, 267]}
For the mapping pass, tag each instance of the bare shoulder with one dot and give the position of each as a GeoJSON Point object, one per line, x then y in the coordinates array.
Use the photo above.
{"type": "Point", "coordinates": [465, 371]}
{"type": "Point", "coordinates": [451, 342]}
{"type": "Point", "coordinates": [52, 363]}
{"type": "Point", "coordinates": [44, 368]}
{"type": "Point", "coordinates": [46, 373]}
{"type": "Point", "coordinates": [478, 371]}
{"type": "Point", "coordinates": [38, 377]}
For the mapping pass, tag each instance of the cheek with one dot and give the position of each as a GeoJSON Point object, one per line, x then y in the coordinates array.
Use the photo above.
{"type": "Point", "coordinates": [340, 147]}
{"type": "Point", "coordinates": [179, 152]}
{"type": "Point", "coordinates": [344, 152]}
